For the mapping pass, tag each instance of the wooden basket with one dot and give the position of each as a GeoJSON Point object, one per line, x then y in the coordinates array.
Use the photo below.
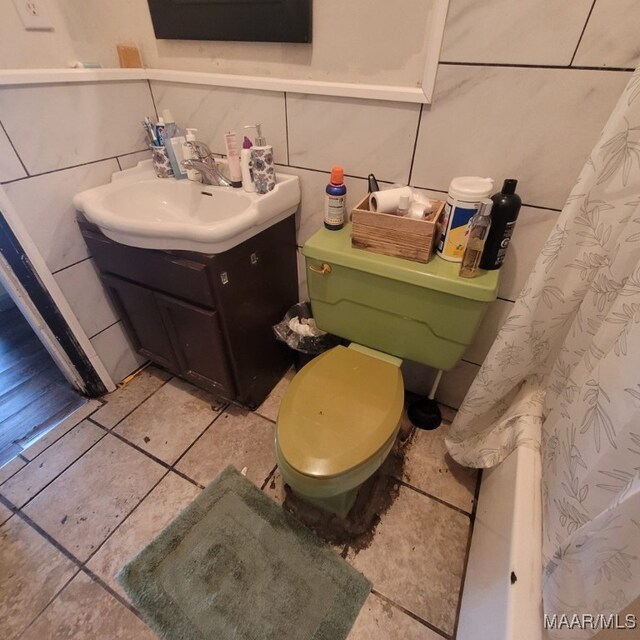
{"type": "Point", "coordinates": [394, 235]}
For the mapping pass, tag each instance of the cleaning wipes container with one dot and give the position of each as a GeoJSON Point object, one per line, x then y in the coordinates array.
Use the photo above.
{"type": "Point", "coordinates": [463, 199]}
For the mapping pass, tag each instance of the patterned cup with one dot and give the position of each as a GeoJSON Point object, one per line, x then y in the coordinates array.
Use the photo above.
{"type": "Point", "coordinates": [161, 162]}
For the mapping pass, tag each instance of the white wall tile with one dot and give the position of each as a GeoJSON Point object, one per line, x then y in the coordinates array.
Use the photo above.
{"type": "Point", "coordinates": [611, 37]}
{"type": "Point", "coordinates": [532, 230]}
{"type": "Point", "coordinates": [537, 125]}
{"type": "Point", "coordinates": [453, 385]}
{"type": "Point", "coordinates": [44, 206]}
{"type": "Point", "coordinates": [503, 31]}
{"type": "Point", "coordinates": [303, 294]}
{"type": "Point", "coordinates": [488, 330]}
{"type": "Point", "coordinates": [363, 136]}
{"type": "Point", "coordinates": [310, 215]}
{"type": "Point", "coordinates": [116, 352]}
{"type": "Point", "coordinates": [84, 292]}
{"type": "Point", "coordinates": [132, 159]}
{"type": "Point", "coordinates": [64, 125]}
{"type": "Point", "coordinates": [10, 167]}
{"type": "Point", "coordinates": [216, 110]}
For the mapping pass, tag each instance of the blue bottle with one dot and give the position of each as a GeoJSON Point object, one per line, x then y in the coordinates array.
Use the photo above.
{"type": "Point", "coordinates": [335, 203]}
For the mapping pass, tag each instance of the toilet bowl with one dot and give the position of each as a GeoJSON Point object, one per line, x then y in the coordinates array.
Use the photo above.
{"type": "Point", "coordinates": [337, 424]}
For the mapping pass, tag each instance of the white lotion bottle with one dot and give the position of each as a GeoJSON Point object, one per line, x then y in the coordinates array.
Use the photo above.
{"type": "Point", "coordinates": [264, 171]}
{"type": "Point", "coordinates": [189, 153]}
{"type": "Point", "coordinates": [233, 158]}
{"type": "Point", "coordinates": [246, 169]}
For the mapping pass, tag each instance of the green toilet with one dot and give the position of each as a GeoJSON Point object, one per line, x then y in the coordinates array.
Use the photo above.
{"type": "Point", "coordinates": [340, 415]}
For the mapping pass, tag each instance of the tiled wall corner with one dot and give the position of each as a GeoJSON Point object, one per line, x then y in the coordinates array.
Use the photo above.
{"type": "Point", "coordinates": [69, 136]}
{"type": "Point", "coordinates": [10, 167]}
{"type": "Point", "coordinates": [536, 32]}
{"type": "Point", "coordinates": [363, 136]}
{"type": "Point", "coordinates": [216, 110]}
{"type": "Point", "coordinates": [44, 205]}
{"type": "Point", "coordinates": [116, 352]}
{"type": "Point", "coordinates": [81, 286]}
{"type": "Point", "coordinates": [64, 125]}
{"type": "Point", "coordinates": [130, 160]}
{"type": "Point", "coordinates": [310, 215]}
{"type": "Point", "coordinates": [537, 125]}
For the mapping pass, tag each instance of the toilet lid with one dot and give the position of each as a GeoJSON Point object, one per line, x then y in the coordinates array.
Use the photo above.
{"type": "Point", "coordinates": [339, 411]}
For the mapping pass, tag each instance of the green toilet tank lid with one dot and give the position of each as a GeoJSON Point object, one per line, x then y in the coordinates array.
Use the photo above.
{"type": "Point", "coordinates": [438, 274]}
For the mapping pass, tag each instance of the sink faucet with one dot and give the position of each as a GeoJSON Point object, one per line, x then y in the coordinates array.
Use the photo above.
{"type": "Point", "coordinates": [205, 163]}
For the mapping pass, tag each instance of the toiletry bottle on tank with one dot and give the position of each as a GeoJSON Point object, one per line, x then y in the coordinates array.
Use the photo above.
{"type": "Point", "coordinates": [335, 200]}
{"type": "Point", "coordinates": [463, 201]}
{"type": "Point", "coordinates": [506, 206]}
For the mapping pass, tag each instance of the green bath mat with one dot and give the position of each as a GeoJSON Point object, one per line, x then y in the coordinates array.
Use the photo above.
{"type": "Point", "coordinates": [234, 565]}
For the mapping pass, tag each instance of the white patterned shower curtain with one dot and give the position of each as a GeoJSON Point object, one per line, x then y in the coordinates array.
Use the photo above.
{"type": "Point", "coordinates": [565, 371]}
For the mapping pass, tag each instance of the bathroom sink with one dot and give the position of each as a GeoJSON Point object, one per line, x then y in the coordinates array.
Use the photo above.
{"type": "Point", "coordinates": [138, 209]}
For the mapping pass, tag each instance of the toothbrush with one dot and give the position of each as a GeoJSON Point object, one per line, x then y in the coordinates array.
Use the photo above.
{"type": "Point", "coordinates": [150, 131]}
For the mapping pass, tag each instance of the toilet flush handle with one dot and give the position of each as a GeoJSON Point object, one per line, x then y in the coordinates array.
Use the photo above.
{"type": "Point", "coordinates": [323, 270]}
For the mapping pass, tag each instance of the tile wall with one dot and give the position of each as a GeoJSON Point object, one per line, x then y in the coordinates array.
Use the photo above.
{"type": "Point", "coordinates": [528, 102]}
{"type": "Point", "coordinates": [57, 140]}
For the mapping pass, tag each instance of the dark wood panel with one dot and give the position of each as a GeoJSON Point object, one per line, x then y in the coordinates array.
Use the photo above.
{"type": "Point", "coordinates": [198, 344]}
{"type": "Point", "coordinates": [139, 311]}
{"type": "Point", "coordinates": [160, 270]}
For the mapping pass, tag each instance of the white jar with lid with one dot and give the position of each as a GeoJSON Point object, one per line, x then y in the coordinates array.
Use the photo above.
{"type": "Point", "coordinates": [463, 200]}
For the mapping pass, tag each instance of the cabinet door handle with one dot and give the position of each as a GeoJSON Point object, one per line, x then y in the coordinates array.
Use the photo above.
{"type": "Point", "coordinates": [322, 270]}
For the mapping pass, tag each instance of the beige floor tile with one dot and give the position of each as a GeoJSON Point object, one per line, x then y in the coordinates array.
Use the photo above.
{"type": "Point", "coordinates": [57, 432]}
{"type": "Point", "coordinates": [168, 422]}
{"type": "Point", "coordinates": [5, 513]}
{"type": "Point", "coordinates": [126, 399]}
{"type": "Point", "coordinates": [88, 501]}
{"type": "Point", "coordinates": [149, 518]}
{"type": "Point", "coordinates": [50, 463]}
{"type": "Point", "coordinates": [237, 437]}
{"type": "Point", "coordinates": [33, 571]}
{"type": "Point", "coordinates": [417, 557]}
{"type": "Point", "coordinates": [270, 407]}
{"type": "Point", "coordinates": [379, 620]}
{"type": "Point", "coordinates": [83, 611]}
{"type": "Point", "coordinates": [13, 466]}
{"type": "Point", "coordinates": [429, 467]}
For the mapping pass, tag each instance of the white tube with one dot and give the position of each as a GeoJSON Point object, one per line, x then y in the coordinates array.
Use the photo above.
{"type": "Point", "coordinates": [233, 157]}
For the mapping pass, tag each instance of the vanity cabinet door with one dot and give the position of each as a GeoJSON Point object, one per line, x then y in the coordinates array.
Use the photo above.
{"type": "Point", "coordinates": [141, 315]}
{"type": "Point", "coordinates": [198, 342]}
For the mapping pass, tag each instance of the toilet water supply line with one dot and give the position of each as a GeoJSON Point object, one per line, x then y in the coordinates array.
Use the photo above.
{"type": "Point", "coordinates": [434, 386]}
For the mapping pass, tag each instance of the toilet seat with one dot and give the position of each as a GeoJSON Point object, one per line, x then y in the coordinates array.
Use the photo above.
{"type": "Point", "coordinates": [340, 415]}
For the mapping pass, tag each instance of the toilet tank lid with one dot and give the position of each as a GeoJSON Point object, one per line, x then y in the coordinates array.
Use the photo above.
{"type": "Point", "coordinates": [439, 275]}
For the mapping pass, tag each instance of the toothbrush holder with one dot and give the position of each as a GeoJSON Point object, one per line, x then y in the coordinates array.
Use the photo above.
{"type": "Point", "coordinates": [161, 162]}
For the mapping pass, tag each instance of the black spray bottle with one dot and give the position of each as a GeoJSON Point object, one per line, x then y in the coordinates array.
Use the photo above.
{"type": "Point", "coordinates": [504, 213]}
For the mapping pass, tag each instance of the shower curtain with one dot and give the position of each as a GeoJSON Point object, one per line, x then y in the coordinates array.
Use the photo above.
{"type": "Point", "coordinates": [564, 376]}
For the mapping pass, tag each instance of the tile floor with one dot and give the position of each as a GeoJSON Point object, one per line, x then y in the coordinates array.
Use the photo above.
{"type": "Point", "coordinates": [84, 499]}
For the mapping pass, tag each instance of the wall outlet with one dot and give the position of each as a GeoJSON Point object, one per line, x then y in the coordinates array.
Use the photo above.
{"type": "Point", "coordinates": [34, 15]}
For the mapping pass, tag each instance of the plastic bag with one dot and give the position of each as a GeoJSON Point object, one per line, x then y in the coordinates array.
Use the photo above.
{"type": "Point", "coordinates": [299, 331]}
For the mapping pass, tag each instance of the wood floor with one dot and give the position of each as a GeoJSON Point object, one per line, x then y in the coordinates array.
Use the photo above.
{"type": "Point", "coordinates": [34, 395]}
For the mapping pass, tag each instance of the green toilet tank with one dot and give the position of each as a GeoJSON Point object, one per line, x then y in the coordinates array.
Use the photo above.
{"type": "Point", "coordinates": [421, 312]}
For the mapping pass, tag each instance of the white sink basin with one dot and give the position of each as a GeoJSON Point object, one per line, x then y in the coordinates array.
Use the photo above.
{"type": "Point", "coordinates": [140, 210]}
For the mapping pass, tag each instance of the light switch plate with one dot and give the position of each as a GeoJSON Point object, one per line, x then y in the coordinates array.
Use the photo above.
{"type": "Point", "coordinates": [34, 15]}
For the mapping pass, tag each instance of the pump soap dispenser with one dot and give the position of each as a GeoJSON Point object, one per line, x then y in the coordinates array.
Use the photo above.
{"type": "Point", "coordinates": [264, 173]}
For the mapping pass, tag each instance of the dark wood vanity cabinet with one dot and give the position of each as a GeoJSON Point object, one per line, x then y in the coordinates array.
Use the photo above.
{"type": "Point", "coordinates": [206, 317]}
